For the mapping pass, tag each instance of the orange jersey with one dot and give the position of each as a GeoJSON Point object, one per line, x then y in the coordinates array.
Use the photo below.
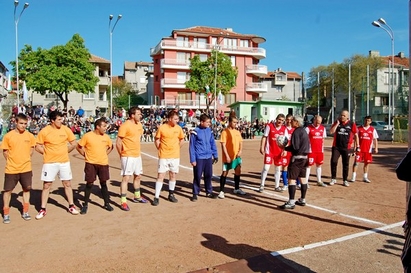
{"type": "Point", "coordinates": [55, 142]}
{"type": "Point", "coordinates": [170, 137]}
{"type": "Point", "coordinates": [19, 147]}
{"type": "Point", "coordinates": [95, 147]}
{"type": "Point", "coordinates": [232, 139]}
{"type": "Point", "coordinates": [130, 134]}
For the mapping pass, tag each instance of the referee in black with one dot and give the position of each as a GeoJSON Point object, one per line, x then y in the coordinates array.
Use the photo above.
{"type": "Point", "coordinates": [299, 148]}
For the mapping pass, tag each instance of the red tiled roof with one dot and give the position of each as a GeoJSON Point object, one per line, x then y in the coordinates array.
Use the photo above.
{"type": "Point", "coordinates": [217, 32]}
{"type": "Point", "coordinates": [133, 65]}
{"type": "Point", "coordinates": [398, 61]}
{"type": "Point", "coordinates": [97, 59]}
{"type": "Point", "coordinates": [290, 75]}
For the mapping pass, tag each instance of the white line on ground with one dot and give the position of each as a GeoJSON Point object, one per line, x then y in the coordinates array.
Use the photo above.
{"type": "Point", "coordinates": [333, 241]}
{"type": "Point", "coordinates": [285, 199]}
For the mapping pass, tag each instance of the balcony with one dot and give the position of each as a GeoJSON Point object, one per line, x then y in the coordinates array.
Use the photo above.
{"type": "Point", "coordinates": [257, 70]}
{"type": "Point", "coordinates": [173, 83]}
{"type": "Point", "coordinates": [103, 81]}
{"type": "Point", "coordinates": [184, 104]}
{"type": "Point", "coordinates": [256, 52]}
{"type": "Point", "coordinates": [175, 64]}
{"type": "Point", "coordinates": [256, 87]}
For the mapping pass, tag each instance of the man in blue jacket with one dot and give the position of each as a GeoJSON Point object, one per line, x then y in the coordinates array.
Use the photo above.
{"type": "Point", "coordinates": [203, 154]}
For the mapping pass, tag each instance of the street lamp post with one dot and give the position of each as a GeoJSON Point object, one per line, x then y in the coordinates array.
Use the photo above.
{"type": "Point", "coordinates": [381, 23]}
{"type": "Point", "coordinates": [111, 58]}
{"type": "Point", "coordinates": [216, 48]}
{"type": "Point", "coordinates": [318, 93]}
{"type": "Point", "coordinates": [16, 23]}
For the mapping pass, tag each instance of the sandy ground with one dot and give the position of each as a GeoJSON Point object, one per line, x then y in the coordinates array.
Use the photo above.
{"type": "Point", "coordinates": [190, 236]}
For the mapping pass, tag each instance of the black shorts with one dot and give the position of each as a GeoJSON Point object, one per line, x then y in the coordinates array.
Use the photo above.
{"type": "Point", "coordinates": [297, 168]}
{"type": "Point", "coordinates": [91, 171]}
{"type": "Point", "coordinates": [10, 180]}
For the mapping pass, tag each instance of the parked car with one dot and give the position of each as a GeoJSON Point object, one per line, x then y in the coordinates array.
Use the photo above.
{"type": "Point", "coordinates": [381, 125]}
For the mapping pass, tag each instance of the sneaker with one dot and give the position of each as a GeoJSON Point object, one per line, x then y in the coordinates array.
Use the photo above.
{"type": "Point", "coordinates": [84, 209]}
{"type": "Point", "coordinates": [261, 189]}
{"type": "Point", "coordinates": [73, 210]}
{"type": "Point", "coordinates": [287, 205]}
{"type": "Point", "coordinates": [285, 188]}
{"type": "Point", "coordinates": [366, 180]}
{"type": "Point", "coordinates": [194, 198]}
{"type": "Point", "coordinates": [124, 207]}
{"type": "Point", "coordinates": [172, 198]}
{"type": "Point", "coordinates": [41, 214]}
{"type": "Point", "coordinates": [278, 189]}
{"type": "Point", "coordinates": [108, 207]}
{"type": "Point", "coordinates": [156, 202]}
{"type": "Point", "coordinates": [321, 184]}
{"type": "Point", "coordinates": [6, 219]}
{"type": "Point", "coordinates": [139, 200]}
{"type": "Point", "coordinates": [26, 216]}
{"type": "Point", "coordinates": [332, 182]}
{"type": "Point", "coordinates": [300, 202]}
{"type": "Point", "coordinates": [345, 183]}
{"type": "Point", "coordinates": [352, 180]}
{"type": "Point", "coordinates": [239, 192]}
{"type": "Point", "coordinates": [211, 195]}
{"type": "Point", "coordinates": [298, 187]}
{"type": "Point", "coordinates": [221, 195]}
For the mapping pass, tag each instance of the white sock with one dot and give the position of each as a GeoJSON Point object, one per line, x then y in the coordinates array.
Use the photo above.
{"type": "Point", "coordinates": [159, 186]}
{"type": "Point", "coordinates": [307, 174]}
{"type": "Point", "coordinates": [365, 175]}
{"type": "Point", "coordinates": [354, 175]}
{"type": "Point", "coordinates": [171, 185]}
{"type": "Point", "coordinates": [277, 176]}
{"type": "Point", "coordinates": [264, 174]}
{"type": "Point", "coordinates": [319, 171]}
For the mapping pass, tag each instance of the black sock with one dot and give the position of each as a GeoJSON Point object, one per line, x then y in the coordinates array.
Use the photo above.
{"type": "Point", "coordinates": [236, 182]}
{"type": "Point", "coordinates": [291, 191]}
{"type": "Point", "coordinates": [304, 188]}
{"type": "Point", "coordinates": [104, 193]}
{"type": "Point", "coordinates": [87, 193]}
{"type": "Point", "coordinates": [222, 182]}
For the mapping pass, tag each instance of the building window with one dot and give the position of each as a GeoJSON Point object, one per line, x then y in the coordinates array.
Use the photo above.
{"type": "Point", "coordinates": [143, 80]}
{"type": "Point", "coordinates": [203, 57]}
{"type": "Point", "coordinates": [244, 43]}
{"type": "Point", "coordinates": [181, 77]}
{"type": "Point", "coordinates": [232, 60]}
{"type": "Point", "coordinates": [229, 99]}
{"type": "Point", "coordinates": [182, 41]}
{"type": "Point", "coordinates": [51, 96]}
{"type": "Point", "coordinates": [101, 95]}
{"type": "Point", "coordinates": [200, 42]}
{"type": "Point", "coordinates": [90, 95]}
{"type": "Point", "coordinates": [265, 111]}
{"type": "Point", "coordinates": [279, 78]}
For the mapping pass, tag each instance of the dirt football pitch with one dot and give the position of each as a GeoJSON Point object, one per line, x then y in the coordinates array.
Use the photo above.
{"type": "Point", "coordinates": [342, 229]}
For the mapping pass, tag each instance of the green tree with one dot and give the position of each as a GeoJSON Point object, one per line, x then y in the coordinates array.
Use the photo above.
{"type": "Point", "coordinates": [339, 73]}
{"type": "Point", "coordinates": [203, 76]}
{"type": "Point", "coordinates": [123, 94]}
{"type": "Point", "coordinates": [59, 70]}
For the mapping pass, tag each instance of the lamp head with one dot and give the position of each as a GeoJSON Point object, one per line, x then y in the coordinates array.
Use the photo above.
{"type": "Point", "coordinates": [110, 17]}
{"type": "Point", "coordinates": [16, 3]}
{"type": "Point", "coordinates": [376, 24]}
{"type": "Point", "coordinates": [119, 16]}
{"type": "Point", "coordinates": [25, 5]}
{"type": "Point", "coordinates": [382, 21]}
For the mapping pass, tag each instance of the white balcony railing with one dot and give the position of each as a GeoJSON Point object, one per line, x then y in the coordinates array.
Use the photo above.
{"type": "Point", "coordinates": [175, 64]}
{"type": "Point", "coordinates": [256, 52]}
{"type": "Point", "coordinates": [186, 104]}
{"type": "Point", "coordinates": [173, 83]}
{"type": "Point", "coordinates": [103, 81]}
{"type": "Point", "coordinates": [258, 70]}
{"type": "Point", "coordinates": [256, 87]}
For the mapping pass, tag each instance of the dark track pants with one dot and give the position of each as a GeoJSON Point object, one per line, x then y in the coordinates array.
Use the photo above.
{"type": "Point", "coordinates": [204, 166]}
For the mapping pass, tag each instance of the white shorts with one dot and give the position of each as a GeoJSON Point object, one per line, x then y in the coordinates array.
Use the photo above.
{"type": "Point", "coordinates": [131, 165]}
{"type": "Point", "coordinates": [50, 170]}
{"type": "Point", "coordinates": [168, 164]}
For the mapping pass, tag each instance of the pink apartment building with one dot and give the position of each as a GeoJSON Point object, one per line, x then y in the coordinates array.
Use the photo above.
{"type": "Point", "coordinates": [171, 58]}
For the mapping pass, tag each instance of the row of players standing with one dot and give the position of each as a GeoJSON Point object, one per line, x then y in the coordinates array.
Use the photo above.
{"type": "Point", "coordinates": [307, 149]}
{"type": "Point", "coordinates": [96, 145]}
{"type": "Point", "coordinates": [56, 141]}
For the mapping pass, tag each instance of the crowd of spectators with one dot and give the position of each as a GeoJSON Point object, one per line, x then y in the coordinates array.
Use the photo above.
{"type": "Point", "coordinates": [153, 117]}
